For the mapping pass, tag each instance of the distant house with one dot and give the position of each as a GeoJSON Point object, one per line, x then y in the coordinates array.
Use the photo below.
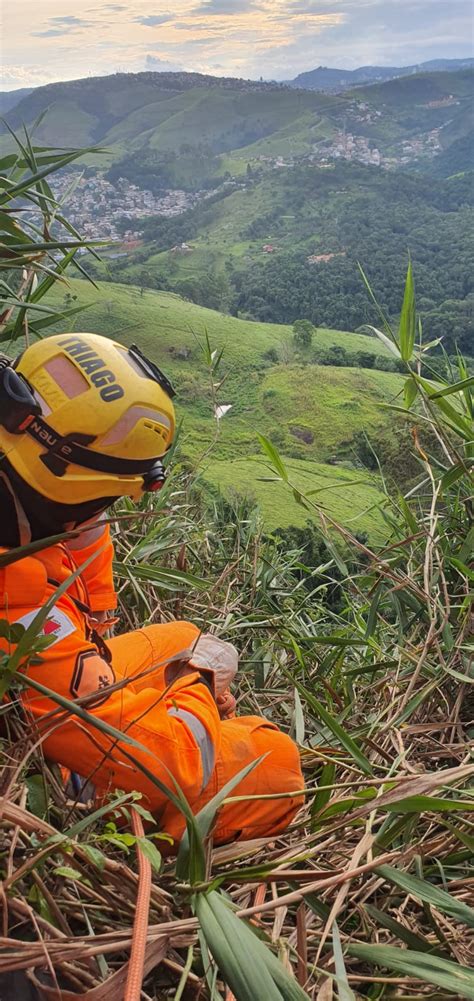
{"type": "Point", "coordinates": [181, 248]}
{"type": "Point", "coordinates": [268, 248]}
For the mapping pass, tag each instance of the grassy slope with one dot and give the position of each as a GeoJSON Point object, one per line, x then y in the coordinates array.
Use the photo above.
{"type": "Point", "coordinates": [277, 400]}
{"type": "Point", "coordinates": [405, 106]}
{"type": "Point", "coordinates": [125, 114]}
{"type": "Point", "coordinates": [407, 91]}
{"type": "Point", "coordinates": [348, 496]}
{"type": "Point", "coordinates": [225, 237]}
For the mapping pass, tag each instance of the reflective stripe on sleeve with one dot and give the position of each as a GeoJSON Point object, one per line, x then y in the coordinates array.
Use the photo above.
{"type": "Point", "coordinates": [202, 738]}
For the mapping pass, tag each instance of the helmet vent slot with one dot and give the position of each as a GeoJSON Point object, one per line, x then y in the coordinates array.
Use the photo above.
{"type": "Point", "coordinates": [129, 420]}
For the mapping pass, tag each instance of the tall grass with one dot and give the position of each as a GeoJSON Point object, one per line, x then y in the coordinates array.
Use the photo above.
{"type": "Point", "coordinates": [369, 893]}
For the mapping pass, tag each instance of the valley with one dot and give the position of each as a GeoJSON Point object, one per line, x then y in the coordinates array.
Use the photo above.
{"type": "Point", "coordinates": [236, 208]}
{"type": "Point", "coordinates": [293, 263]}
{"type": "Point", "coordinates": [313, 413]}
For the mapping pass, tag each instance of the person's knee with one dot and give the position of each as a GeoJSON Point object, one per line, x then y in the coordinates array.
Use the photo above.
{"type": "Point", "coordinates": [282, 764]}
{"type": "Point", "coordinates": [274, 787]}
{"type": "Point", "coordinates": [169, 639]}
{"type": "Point", "coordinates": [281, 780]}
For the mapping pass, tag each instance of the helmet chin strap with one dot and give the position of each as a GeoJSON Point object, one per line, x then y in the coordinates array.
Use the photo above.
{"type": "Point", "coordinates": [24, 527]}
{"type": "Point", "coordinates": [33, 517]}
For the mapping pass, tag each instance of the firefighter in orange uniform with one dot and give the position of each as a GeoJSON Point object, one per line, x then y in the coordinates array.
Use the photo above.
{"type": "Point", "coordinates": [83, 421]}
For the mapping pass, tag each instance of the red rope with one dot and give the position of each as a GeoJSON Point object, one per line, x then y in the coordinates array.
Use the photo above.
{"type": "Point", "coordinates": [140, 925]}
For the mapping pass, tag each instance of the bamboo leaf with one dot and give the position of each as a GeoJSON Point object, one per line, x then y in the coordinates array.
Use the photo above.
{"type": "Point", "coordinates": [246, 964]}
{"type": "Point", "coordinates": [429, 893]}
{"type": "Point", "coordinates": [323, 795]}
{"type": "Point", "coordinates": [344, 991]}
{"type": "Point", "coordinates": [431, 804]}
{"type": "Point", "coordinates": [237, 957]}
{"type": "Point", "coordinates": [151, 852]}
{"type": "Point", "coordinates": [410, 392]}
{"type": "Point", "coordinates": [203, 821]}
{"type": "Point", "coordinates": [274, 456]}
{"type": "Point", "coordinates": [401, 931]}
{"type": "Point", "coordinates": [389, 344]}
{"type": "Point", "coordinates": [15, 190]}
{"type": "Point", "coordinates": [456, 387]}
{"type": "Point", "coordinates": [407, 329]}
{"type": "Point", "coordinates": [347, 742]}
{"type": "Point", "coordinates": [453, 977]}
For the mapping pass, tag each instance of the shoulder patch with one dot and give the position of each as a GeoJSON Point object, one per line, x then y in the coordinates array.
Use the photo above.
{"type": "Point", "coordinates": [91, 674]}
{"type": "Point", "coordinates": [57, 626]}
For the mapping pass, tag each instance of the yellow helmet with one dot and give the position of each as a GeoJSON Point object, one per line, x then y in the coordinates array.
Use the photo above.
{"type": "Point", "coordinates": [84, 420]}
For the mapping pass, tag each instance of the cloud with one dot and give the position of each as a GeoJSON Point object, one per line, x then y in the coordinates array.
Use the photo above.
{"type": "Point", "coordinates": [157, 65]}
{"type": "Point", "coordinates": [369, 32]}
{"type": "Point", "coordinates": [113, 8]}
{"type": "Point", "coordinates": [24, 76]}
{"type": "Point", "coordinates": [276, 39]}
{"type": "Point", "coordinates": [51, 32]}
{"type": "Point", "coordinates": [67, 20]}
{"type": "Point", "coordinates": [63, 25]}
{"type": "Point", "coordinates": [226, 7]}
{"type": "Point", "coordinates": [154, 19]}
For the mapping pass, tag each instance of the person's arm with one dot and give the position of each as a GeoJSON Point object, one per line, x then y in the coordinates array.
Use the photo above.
{"type": "Point", "coordinates": [98, 575]}
{"type": "Point", "coordinates": [178, 728]}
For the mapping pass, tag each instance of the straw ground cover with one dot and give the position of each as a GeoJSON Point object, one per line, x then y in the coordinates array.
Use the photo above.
{"type": "Point", "coordinates": [369, 894]}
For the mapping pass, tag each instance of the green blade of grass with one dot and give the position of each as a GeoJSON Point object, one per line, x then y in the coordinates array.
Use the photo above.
{"type": "Point", "coordinates": [405, 934]}
{"type": "Point", "coordinates": [344, 991]}
{"type": "Point", "coordinates": [429, 894]}
{"type": "Point", "coordinates": [245, 962]}
{"type": "Point", "coordinates": [453, 977]}
{"type": "Point", "coordinates": [407, 328]}
{"type": "Point", "coordinates": [347, 742]}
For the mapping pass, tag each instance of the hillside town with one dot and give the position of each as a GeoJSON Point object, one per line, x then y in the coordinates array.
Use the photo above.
{"type": "Point", "coordinates": [96, 207]}
{"type": "Point", "coordinates": [100, 209]}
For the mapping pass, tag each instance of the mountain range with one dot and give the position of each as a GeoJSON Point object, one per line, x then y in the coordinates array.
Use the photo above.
{"type": "Point", "coordinates": [328, 79]}
{"type": "Point", "coordinates": [10, 98]}
{"type": "Point", "coordinates": [287, 197]}
{"type": "Point", "coordinates": [166, 114]}
{"type": "Point", "coordinates": [334, 81]}
{"type": "Point", "coordinates": [289, 192]}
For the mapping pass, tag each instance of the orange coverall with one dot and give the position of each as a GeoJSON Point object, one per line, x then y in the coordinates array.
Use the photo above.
{"type": "Point", "coordinates": [177, 720]}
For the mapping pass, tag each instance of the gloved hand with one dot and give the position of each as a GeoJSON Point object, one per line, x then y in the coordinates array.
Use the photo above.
{"type": "Point", "coordinates": [218, 656]}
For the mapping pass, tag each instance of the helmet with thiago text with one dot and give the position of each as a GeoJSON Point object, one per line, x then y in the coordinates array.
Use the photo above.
{"type": "Point", "coordinates": [83, 421]}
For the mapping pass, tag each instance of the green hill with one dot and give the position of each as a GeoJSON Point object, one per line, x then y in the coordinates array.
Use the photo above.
{"type": "Point", "coordinates": [353, 212]}
{"type": "Point", "coordinates": [163, 113]}
{"type": "Point", "coordinates": [311, 412]}
{"type": "Point", "coordinates": [409, 92]}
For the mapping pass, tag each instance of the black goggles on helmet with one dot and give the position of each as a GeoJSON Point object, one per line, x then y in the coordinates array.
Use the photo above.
{"type": "Point", "coordinates": [151, 370]}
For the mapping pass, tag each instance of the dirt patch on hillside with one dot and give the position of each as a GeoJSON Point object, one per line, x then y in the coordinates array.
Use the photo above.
{"type": "Point", "coordinates": [303, 434]}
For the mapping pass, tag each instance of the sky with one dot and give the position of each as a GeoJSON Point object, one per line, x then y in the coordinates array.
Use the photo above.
{"type": "Point", "coordinates": [48, 40]}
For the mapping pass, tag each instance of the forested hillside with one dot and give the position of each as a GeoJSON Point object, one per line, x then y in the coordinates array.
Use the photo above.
{"type": "Point", "coordinates": [261, 200]}
{"type": "Point", "coordinates": [166, 114]}
{"type": "Point", "coordinates": [163, 111]}
{"type": "Point", "coordinates": [347, 211]}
